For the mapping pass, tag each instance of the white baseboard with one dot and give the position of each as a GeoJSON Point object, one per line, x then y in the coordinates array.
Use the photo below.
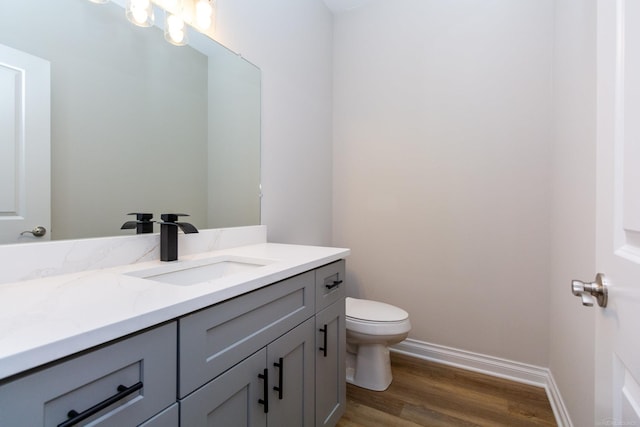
{"type": "Point", "coordinates": [494, 366]}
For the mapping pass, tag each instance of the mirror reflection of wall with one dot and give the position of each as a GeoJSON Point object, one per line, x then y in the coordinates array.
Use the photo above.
{"type": "Point", "coordinates": [137, 123]}
{"type": "Point", "coordinates": [234, 156]}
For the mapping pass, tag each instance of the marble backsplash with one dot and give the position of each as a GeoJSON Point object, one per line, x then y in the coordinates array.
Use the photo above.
{"type": "Point", "coordinates": [25, 261]}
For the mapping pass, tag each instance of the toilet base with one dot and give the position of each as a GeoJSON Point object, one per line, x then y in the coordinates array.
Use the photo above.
{"type": "Point", "coordinates": [370, 367]}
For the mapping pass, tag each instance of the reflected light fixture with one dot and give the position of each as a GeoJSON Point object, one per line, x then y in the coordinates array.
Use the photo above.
{"type": "Point", "coordinates": [175, 29]}
{"type": "Point", "coordinates": [204, 14]}
{"type": "Point", "coordinates": [198, 13]}
{"type": "Point", "coordinates": [140, 12]}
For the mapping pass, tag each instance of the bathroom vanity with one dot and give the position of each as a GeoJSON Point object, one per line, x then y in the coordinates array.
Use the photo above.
{"type": "Point", "coordinates": [263, 344]}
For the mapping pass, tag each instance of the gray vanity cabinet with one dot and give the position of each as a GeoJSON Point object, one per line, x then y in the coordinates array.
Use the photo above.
{"type": "Point", "coordinates": [214, 339]}
{"type": "Point", "coordinates": [133, 379]}
{"type": "Point", "coordinates": [330, 385]}
{"type": "Point", "coordinates": [273, 357]}
{"type": "Point", "coordinates": [264, 329]}
{"type": "Point", "coordinates": [260, 329]}
{"type": "Point", "coordinates": [252, 393]}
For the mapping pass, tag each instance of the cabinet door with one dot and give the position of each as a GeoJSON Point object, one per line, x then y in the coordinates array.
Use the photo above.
{"type": "Point", "coordinates": [291, 361]}
{"type": "Point", "coordinates": [167, 418]}
{"type": "Point", "coordinates": [120, 384]}
{"type": "Point", "coordinates": [330, 364]}
{"type": "Point", "coordinates": [230, 400]}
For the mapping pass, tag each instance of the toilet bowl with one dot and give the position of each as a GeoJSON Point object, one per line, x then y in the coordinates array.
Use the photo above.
{"type": "Point", "coordinates": [372, 326]}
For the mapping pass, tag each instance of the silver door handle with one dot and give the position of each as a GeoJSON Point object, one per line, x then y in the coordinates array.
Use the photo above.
{"type": "Point", "coordinates": [38, 231]}
{"type": "Point", "coordinates": [589, 291]}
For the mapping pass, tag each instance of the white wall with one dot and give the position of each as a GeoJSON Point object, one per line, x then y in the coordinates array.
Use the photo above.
{"type": "Point", "coordinates": [442, 139]}
{"type": "Point", "coordinates": [446, 184]}
{"type": "Point", "coordinates": [571, 355]}
{"type": "Point", "coordinates": [291, 42]}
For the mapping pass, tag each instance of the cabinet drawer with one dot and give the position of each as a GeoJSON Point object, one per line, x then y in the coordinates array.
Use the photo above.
{"type": "Point", "coordinates": [330, 284]}
{"type": "Point", "coordinates": [45, 397]}
{"type": "Point", "coordinates": [214, 339]}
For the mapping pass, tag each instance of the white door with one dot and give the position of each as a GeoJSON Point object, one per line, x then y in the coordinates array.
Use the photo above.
{"type": "Point", "coordinates": [618, 213]}
{"type": "Point", "coordinates": [24, 146]}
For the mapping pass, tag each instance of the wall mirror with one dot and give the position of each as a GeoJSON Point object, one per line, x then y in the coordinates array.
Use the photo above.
{"type": "Point", "coordinates": [138, 124]}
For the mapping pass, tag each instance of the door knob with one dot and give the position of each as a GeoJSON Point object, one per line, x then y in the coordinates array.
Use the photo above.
{"type": "Point", "coordinates": [589, 291]}
{"type": "Point", "coordinates": [38, 231]}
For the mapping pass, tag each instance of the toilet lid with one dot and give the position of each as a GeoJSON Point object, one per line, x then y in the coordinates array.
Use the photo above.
{"type": "Point", "coordinates": [373, 311]}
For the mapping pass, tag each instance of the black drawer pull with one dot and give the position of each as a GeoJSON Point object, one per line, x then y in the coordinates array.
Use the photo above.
{"type": "Point", "coordinates": [335, 284]}
{"type": "Point", "coordinates": [280, 387]}
{"type": "Point", "coordinates": [265, 390]}
{"type": "Point", "coordinates": [323, 349]}
{"type": "Point", "coordinates": [75, 417]}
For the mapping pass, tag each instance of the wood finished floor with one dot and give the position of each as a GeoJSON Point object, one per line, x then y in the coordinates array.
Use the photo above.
{"type": "Point", "coordinates": [424, 393]}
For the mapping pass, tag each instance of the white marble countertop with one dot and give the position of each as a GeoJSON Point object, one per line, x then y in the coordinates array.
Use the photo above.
{"type": "Point", "coordinates": [42, 320]}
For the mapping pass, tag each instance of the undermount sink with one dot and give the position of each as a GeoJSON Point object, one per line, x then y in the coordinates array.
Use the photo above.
{"type": "Point", "coordinates": [186, 273]}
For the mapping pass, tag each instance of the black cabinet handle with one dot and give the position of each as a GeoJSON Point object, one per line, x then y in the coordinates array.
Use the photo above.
{"type": "Point", "coordinates": [335, 284]}
{"type": "Point", "coordinates": [280, 387]}
{"type": "Point", "coordinates": [265, 390]}
{"type": "Point", "coordinates": [323, 349]}
{"type": "Point", "coordinates": [123, 391]}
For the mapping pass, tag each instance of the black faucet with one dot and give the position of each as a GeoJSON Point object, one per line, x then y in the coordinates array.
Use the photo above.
{"type": "Point", "coordinates": [142, 224]}
{"type": "Point", "coordinates": [169, 235]}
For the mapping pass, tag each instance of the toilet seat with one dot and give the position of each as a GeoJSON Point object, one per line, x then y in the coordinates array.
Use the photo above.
{"type": "Point", "coordinates": [375, 318]}
{"type": "Point", "coordinates": [373, 311]}
{"type": "Point", "coordinates": [377, 328]}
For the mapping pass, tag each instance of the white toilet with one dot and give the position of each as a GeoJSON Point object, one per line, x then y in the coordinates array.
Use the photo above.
{"type": "Point", "coordinates": [371, 327]}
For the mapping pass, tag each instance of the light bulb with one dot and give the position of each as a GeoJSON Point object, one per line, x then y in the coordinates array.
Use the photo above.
{"type": "Point", "coordinates": [175, 23]}
{"type": "Point", "coordinates": [140, 12]}
{"type": "Point", "coordinates": [204, 12]}
{"type": "Point", "coordinates": [177, 36]}
{"type": "Point", "coordinates": [174, 29]}
{"type": "Point", "coordinates": [139, 15]}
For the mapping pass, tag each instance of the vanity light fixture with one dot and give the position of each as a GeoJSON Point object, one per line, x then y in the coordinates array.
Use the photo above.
{"type": "Point", "coordinates": [200, 14]}
{"type": "Point", "coordinates": [140, 12]}
{"type": "Point", "coordinates": [205, 13]}
{"type": "Point", "coordinates": [175, 29]}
